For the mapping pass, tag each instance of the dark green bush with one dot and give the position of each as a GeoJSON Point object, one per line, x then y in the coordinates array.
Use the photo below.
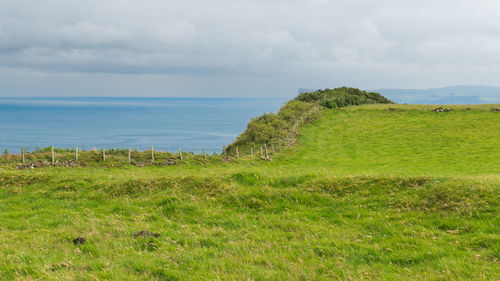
{"type": "Point", "coordinates": [341, 97]}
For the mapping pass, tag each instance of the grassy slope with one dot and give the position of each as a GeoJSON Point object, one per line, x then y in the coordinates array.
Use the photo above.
{"type": "Point", "coordinates": [366, 193]}
{"type": "Point", "coordinates": [407, 141]}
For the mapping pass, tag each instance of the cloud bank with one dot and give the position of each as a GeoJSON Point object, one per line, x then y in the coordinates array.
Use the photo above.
{"type": "Point", "coordinates": [243, 47]}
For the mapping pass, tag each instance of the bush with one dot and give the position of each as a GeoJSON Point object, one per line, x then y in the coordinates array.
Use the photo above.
{"type": "Point", "coordinates": [270, 127]}
{"type": "Point", "coordinates": [341, 97]}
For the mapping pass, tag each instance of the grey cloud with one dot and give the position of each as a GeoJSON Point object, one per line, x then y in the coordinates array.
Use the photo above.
{"type": "Point", "coordinates": [319, 43]}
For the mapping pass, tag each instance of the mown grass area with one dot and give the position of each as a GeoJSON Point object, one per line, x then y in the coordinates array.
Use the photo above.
{"type": "Point", "coordinates": [407, 194]}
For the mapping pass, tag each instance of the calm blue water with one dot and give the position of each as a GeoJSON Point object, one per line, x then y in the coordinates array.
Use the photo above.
{"type": "Point", "coordinates": [166, 123]}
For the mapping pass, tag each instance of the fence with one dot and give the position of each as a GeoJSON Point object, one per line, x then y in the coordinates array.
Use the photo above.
{"type": "Point", "coordinates": [57, 156]}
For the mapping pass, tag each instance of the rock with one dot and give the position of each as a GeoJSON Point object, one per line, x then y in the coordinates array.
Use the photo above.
{"type": "Point", "coordinates": [79, 241]}
{"type": "Point", "coordinates": [170, 162]}
{"type": "Point", "coordinates": [442, 109]}
{"type": "Point", "coordinates": [227, 159]}
{"type": "Point", "coordinates": [40, 164]}
{"type": "Point", "coordinates": [142, 164]}
{"type": "Point", "coordinates": [145, 233]}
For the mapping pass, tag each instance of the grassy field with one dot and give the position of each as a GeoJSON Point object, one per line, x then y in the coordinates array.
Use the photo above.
{"type": "Point", "coordinates": [409, 140]}
{"type": "Point", "coordinates": [406, 194]}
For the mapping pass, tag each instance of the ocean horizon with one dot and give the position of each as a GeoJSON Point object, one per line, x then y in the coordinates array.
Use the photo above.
{"type": "Point", "coordinates": [127, 122]}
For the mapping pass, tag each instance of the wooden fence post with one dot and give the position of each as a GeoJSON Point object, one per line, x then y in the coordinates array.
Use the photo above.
{"type": "Point", "coordinates": [129, 152]}
{"type": "Point", "coordinates": [22, 153]}
{"type": "Point", "coordinates": [53, 156]}
{"type": "Point", "coordinates": [225, 153]}
{"type": "Point", "coordinates": [204, 154]}
{"type": "Point", "coordinates": [103, 154]}
{"type": "Point", "coordinates": [152, 154]}
{"type": "Point", "coordinates": [237, 153]}
{"type": "Point", "coordinates": [251, 151]}
{"type": "Point", "coordinates": [180, 153]}
{"type": "Point", "coordinates": [76, 154]}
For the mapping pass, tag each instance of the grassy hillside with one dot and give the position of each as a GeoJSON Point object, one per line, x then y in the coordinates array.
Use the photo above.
{"type": "Point", "coordinates": [408, 140]}
{"type": "Point", "coordinates": [366, 193]}
{"type": "Point", "coordinates": [276, 129]}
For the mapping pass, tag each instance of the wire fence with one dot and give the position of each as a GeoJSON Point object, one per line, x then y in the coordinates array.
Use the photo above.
{"type": "Point", "coordinates": [51, 156]}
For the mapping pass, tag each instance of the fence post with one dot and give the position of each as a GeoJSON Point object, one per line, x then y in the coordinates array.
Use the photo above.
{"type": "Point", "coordinates": [225, 153]}
{"type": "Point", "coordinates": [180, 153]}
{"type": "Point", "coordinates": [261, 153]}
{"type": "Point", "coordinates": [53, 156]}
{"type": "Point", "coordinates": [129, 152]}
{"type": "Point", "coordinates": [22, 153]}
{"type": "Point", "coordinates": [237, 153]}
{"type": "Point", "coordinates": [204, 154]}
{"type": "Point", "coordinates": [251, 151]}
{"type": "Point", "coordinates": [103, 154]}
{"type": "Point", "coordinates": [267, 155]}
{"type": "Point", "coordinates": [76, 154]}
{"type": "Point", "coordinates": [152, 154]}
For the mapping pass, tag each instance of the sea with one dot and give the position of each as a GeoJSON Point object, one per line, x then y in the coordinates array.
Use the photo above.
{"type": "Point", "coordinates": [138, 123]}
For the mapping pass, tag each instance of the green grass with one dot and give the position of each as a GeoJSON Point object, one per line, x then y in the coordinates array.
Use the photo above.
{"type": "Point", "coordinates": [408, 194]}
{"type": "Point", "coordinates": [369, 139]}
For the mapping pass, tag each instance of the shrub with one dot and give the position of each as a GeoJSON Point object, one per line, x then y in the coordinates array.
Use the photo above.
{"type": "Point", "coordinates": [341, 97]}
{"type": "Point", "coordinates": [270, 127]}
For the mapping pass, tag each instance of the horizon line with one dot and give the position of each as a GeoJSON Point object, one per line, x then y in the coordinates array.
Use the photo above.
{"type": "Point", "coordinates": [136, 97]}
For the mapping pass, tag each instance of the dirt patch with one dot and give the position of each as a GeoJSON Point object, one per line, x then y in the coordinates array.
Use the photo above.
{"type": "Point", "coordinates": [145, 233]}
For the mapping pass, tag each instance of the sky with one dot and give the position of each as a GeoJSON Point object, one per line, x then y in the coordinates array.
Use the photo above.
{"type": "Point", "coordinates": [243, 48]}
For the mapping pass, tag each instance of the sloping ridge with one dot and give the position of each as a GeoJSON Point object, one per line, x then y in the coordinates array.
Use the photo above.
{"type": "Point", "coordinates": [276, 128]}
